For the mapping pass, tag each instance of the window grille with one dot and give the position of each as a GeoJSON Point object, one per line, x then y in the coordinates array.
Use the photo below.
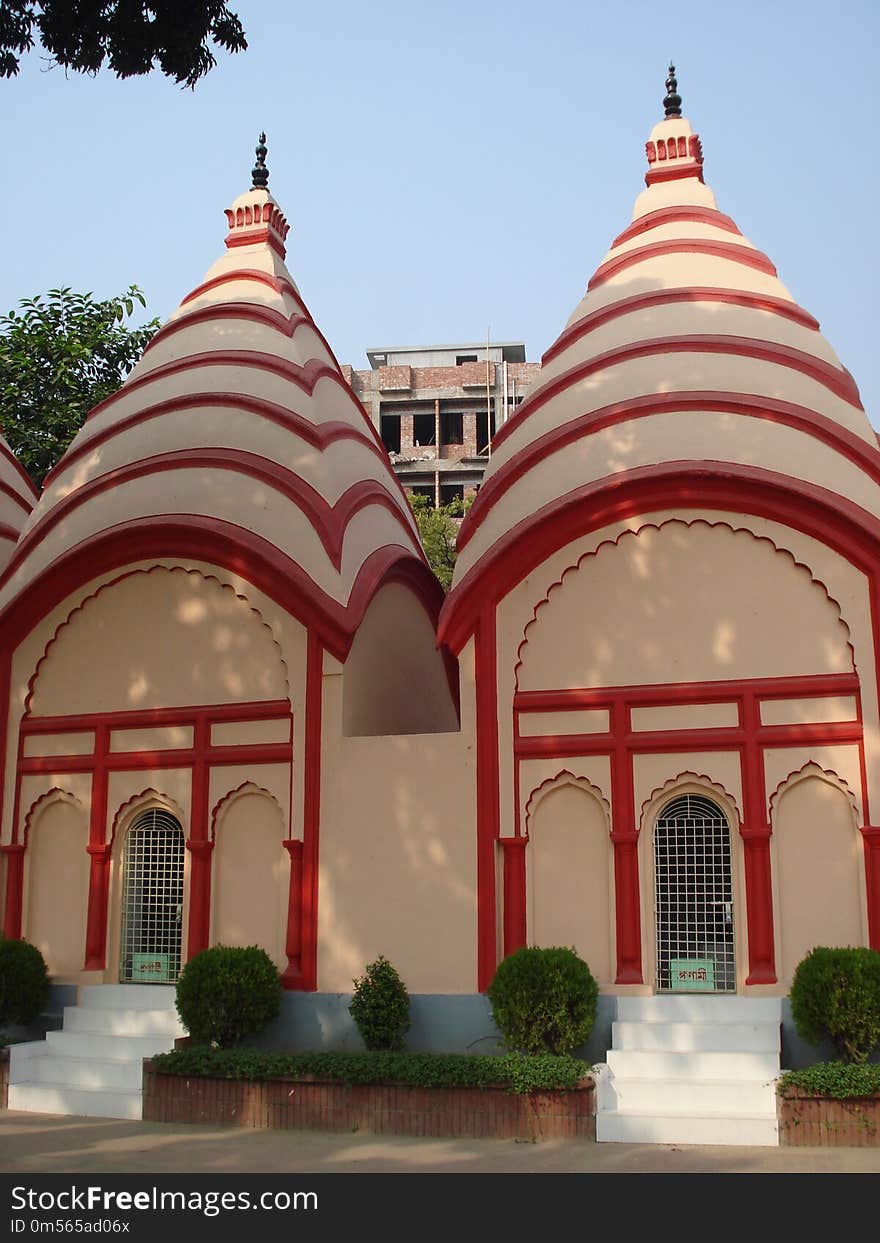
{"type": "Point", "coordinates": [693, 892]}
{"type": "Point", "coordinates": [152, 899]}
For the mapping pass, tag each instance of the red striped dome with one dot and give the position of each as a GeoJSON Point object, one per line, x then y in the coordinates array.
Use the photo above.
{"type": "Point", "coordinates": [17, 498]}
{"type": "Point", "coordinates": [237, 423]}
{"type": "Point", "coordinates": [686, 348]}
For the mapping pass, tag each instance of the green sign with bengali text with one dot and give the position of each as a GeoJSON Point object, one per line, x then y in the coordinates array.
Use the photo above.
{"type": "Point", "coordinates": [692, 975]}
{"type": "Point", "coordinates": [147, 967]}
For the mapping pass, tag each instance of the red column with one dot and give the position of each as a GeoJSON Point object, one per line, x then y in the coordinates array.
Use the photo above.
{"type": "Point", "coordinates": [96, 921]}
{"type": "Point", "coordinates": [871, 835]}
{"type": "Point", "coordinates": [199, 896]}
{"type": "Point", "coordinates": [308, 981]}
{"type": "Point", "coordinates": [625, 839]}
{"type": "Point", "coordinates": [515, 932]}
{"type": "Point", "coordinates": [14, 889]}
{"type": "Point", "coordinates": [755, 835]}
{"type": "Point", "coordinates": [95, 957]}
{"type": "Point", "coordinates": [488, 810]}
{"type": "Point", "coordinates": [292, 977]}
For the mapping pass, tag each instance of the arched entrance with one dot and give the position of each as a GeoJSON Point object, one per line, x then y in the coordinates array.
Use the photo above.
{"type": "Point", "coordinates": [693, 898]}
{"type": "Point", "coordinates": [152, 899]}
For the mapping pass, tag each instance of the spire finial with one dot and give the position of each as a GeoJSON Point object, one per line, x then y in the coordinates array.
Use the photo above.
{"type": "Point", "coordinates": [260, 173]}
{"type": "Point", "coordinates": [672, 102]}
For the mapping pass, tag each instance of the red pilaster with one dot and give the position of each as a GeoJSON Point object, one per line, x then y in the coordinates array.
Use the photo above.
{"type": "Point", "coordinates": [199, 896]}
{"type": "Point", "coordinates": [625, 839]}
{"type": "Point", "coordinates": [14, 889]}
{"type": "Point", "coordinates": [488, 813]}
{"type": "Point", "coordinates": [755, 833]}
{"type": "Point", "coordinates": [515, 931]}
{"type": "Point", "coordinates": [308, 980]}
{"type": "Point", "coordinates": [292, 977]}
{"type": "Point", "coordinates": [871, 834]}
{"type": "Point", "coordinates": [95, 958]}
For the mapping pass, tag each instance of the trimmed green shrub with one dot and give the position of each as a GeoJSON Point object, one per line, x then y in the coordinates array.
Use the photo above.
{"type": "Point", "coordinates": [544, 1000]}
{"type": "Point", "coordinates": [838, 1080]}
{"type": "Point", "coordinates": [380, 1007]}
{"type": "Point", "coordinates": [835, 995]}
{"type": "Point", "coordinates": [517, 1072]}
{"type": "Point", "coordinates": [24, 982]}
{"type": "Point", "coordinates": [226, 993]}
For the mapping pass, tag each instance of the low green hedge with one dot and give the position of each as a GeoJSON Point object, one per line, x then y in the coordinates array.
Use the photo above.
{"type": "Point", "coordinates": [517, 1072]}
{"type": "Point", "coordinates": [837, 1080]}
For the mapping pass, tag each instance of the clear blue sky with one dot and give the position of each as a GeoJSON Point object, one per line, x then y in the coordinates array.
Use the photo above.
{"type": "Point", "coordinates": [448, 166]}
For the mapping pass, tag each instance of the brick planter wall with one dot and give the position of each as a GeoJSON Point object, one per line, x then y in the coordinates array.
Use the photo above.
{"type": "Point", "coordinates": [294, 1104]}
{"type": "Point", "coordinates": [807, 1121]}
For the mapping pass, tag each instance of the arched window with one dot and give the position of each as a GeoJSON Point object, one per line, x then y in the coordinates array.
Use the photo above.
{"type": "Point", "coordinates": [152, 899]}
{"type": "Point", "coordinates": [693, 897]}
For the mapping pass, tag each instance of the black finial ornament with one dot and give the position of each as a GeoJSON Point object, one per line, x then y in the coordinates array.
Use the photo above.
{"type": "Point", "coordinates": [672, 102]}
{"type": "Point", "coordinates": [260, 173]}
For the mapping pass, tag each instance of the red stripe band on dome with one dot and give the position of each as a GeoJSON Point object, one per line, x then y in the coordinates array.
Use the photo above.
{"type": "Point", "coordinates": [8, 456]}
{"type": "Point", "coordinates": [826, 430]}
{"type": "Point", "coordinates": [836, 380]}
{"type": "Point", "coordinates": [7, 532]}
{"type": "Point", "coordinates": [660, 297]}
{"type": "Point", "coordinates": [16, 497]}
{"type": "Point", "coordinates": [278, 283]}
{"type": "Point", "coordinates": [677, 172]}
{"type": "Point", "coordinates": [249, 311]}
{"type": "Point", "coordinates": [328, 521]}
{"type": "Point", "coordinates": [744, 255]}
{"type": "Point", "coordinates": [676, 215]}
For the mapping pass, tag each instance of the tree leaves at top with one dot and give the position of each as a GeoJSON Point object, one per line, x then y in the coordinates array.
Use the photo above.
{"type": "Point", "coordinates": [131, 36]}
{"type": "Point", "coordinates": [59, 356]}
{"type": "Point", "coordinates": [438, 531]}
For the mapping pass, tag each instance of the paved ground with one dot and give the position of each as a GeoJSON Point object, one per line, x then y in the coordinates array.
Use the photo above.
{"type": "Point", "coordinates": [41, 1143]}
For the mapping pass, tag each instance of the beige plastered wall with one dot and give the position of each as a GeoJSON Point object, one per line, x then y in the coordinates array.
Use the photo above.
{"type": "Point", "coordinates": [738, 588]}
{"type": "Point", "coordinates": [397, 853]}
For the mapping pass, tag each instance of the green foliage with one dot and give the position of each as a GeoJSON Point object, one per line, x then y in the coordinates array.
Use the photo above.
{"type": "Point", "coordinates": [838, 1080]}
{"type": "Point", "coordinates": [131, 38]}
{"type": "Point", "coordinates": [835, 995]}
{"type": "Point", "coordinates": [59, 356]}
{"type": "Point", "coordinates": [517, 1072]}
{"type": "Point", "coordinates": [438, 531]}
{"type": "Point", "coordinates": [226, 993]}
{"type": "Point", "coordinates": [544, 1000]}
{"type": "Point", "coordinates": [380, 1007]}
{"type": "Point", "coordinates": [24, 982]}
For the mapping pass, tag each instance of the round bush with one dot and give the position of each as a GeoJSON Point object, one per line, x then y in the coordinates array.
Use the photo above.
{"type": "Point", "coordinates": [24, 982]}
{"type": "Point", "coordinates": [544, 1000]}
{"type": "Point", "coordinates": [226, 993]}
{"type": "Point", "coordinates": [835, 995]}
{"type": "Point", "coordinates": [380, 1007]}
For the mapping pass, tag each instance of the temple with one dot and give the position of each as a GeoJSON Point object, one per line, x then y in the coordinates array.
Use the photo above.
{"type": "Point", "coordinates": [644, 722]}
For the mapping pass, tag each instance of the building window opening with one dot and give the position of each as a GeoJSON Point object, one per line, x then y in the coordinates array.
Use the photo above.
{"type": "Point", "coordinates": [693, 896]}
{"type": "Point", "coordinates": [450, 492]}
{"type": "Point", "coordinates": [152, 899]}
{"type": "Point", "coordinates": [465, 358]}
{"type": "Point", "coordinates": [423, 429]}
{"type": "Point", "coordinates": [482, 431]}
{"type": "Point", "coordinates": [424, 490]}
{"type": "Point", "coordinates": [452, 429]}
{"type": "Point", "coordinates": [390, 430]}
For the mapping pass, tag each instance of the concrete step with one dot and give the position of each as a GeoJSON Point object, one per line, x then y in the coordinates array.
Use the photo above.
{"type": "Point", "coordinates": [699, 1008]}
{"type": "Point", "coordinates": [135, 1022]}
{"type": "Point", "coordinates": [659, 1128]}
{"type": "Point", "coordinates": [60, 1098]}
{"type": "Point", "coordinates": [697, 1037]}
{"type": "Point", "coordinates": [91, 1073]}
{"type": "Point", "coordinates": [689, 1096]}
{"type": "Point", "coordinates": [127, 996]}
{"type": "Point", "coordinates": [656, 1064]}
{"type": "Point", "coordinates": [122, 1048]}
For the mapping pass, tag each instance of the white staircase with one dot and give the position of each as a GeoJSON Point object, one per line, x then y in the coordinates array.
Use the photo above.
{"type": "Point", "coordinates": [93, 1066]}
{"type": "Point", "coordinates": [691, 1069]}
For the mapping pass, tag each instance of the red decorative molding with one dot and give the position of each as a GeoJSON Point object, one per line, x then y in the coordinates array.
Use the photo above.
{"type": "Point", "coordinates": [514, 852]}
{"type": "Point", "coordinates": [246, 787]}
{"type": "Point", "coordinates": [16, 498]}
{"type": "Point", "coordinates": [814, 770]}
{"type": "Point", "coordinates": [55, 795]}
{"type": "Point", "coordinates": [663, 297]}
{"type": "Point", "coordinates": [14, 853]}
{"type": "Point", "coordinates": [823, 429]}
{"type": "Point", "coordinates": [746, 256]}
{"type": "Point", "coordinates": [676, 215]}
{"type": "Point", "coordinates": [292, 976]}
{"type": "Point", "coordinates": [673, 172]}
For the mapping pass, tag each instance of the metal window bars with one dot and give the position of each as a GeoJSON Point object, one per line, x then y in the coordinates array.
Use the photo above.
{"type": "Point", "coordinates": [152, 899]}
{"type": "Point", "coordinates": [693, 897]}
